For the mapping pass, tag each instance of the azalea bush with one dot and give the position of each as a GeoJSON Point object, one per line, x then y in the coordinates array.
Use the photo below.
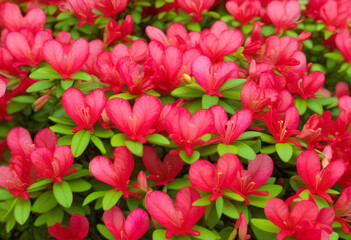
{"type": "Point", "coordinates": [175, 119]}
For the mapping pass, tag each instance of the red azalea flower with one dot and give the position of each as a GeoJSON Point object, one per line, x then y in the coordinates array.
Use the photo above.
{"type": "Point", "coordinates": [132, 228]}
{"type": "Point", "coordinates": [111, 7]}
{"type": "Point", "coordinates": [194, 6]}
{"type": "Point", "coordinates": [241, 225]}
{"type": "Point", "coordinates": [215, 177]}
{"type": "Point", "coordinates": [116, 174]}
{"type": "Point", "coordinates": [335, 14]}
{"type": "Point", "coordinates": [342, 209]}
{"type": "Point", "coordinates": [78, 229]}
{"type": "Point", "coordinates": [180, 220]}
{"type": "Point", "coordinates": [186, 130]}
{"type": "Point", "coordinates": [66, 59]}
{"type": "Point", "coordinates": [211, 77]}
{"type": "Point", "coordinates": [84, 110]}
{"type": "Point", "coordinates": [162, 172]}
{"type": "Point", "coordinates": [244, 10]}
{"type": "Point", "coordinates": [90, 66]}
{"type": "Point", "coordinates": [248, 181]}
{"type": "Point", "coordinates": [83, 11]}
{"type": "Point", "coordinates": [136, 122]}
{"type": "Point", "coordinates": [114, 32]}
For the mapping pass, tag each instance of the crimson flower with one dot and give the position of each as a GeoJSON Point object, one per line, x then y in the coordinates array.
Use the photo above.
{"type": "Point", "coordinates": [186, 130]}
{"type": "Point", "coordinates": [215, 177]}
{"type": "Point", "coordinates": [229, 131]}
{"type": "Point", "coordinates": [335, 14]}
{"type": "Point", "coordinates": [136, 122]}
{"type": "Point", "coordinates": [162, 172]}
{"type": "Point", "coordinates": [95, 48]}
{"type": "Point", "coordinates": [282, 129]}
{"type": "Point", "coordinates": [241, 226]}
{"type": "Point", "coordinates": [343, 43]}
{"type": "Point", "coordinates": [244, 10]}
{"type": "Point", "coordinates": [116, 174]}
{"type": "Point", "coordinates": [211, 77]}
{"type": "Point", "coordinates": [342, 209]}
{"type": "Point", "coordinates": [132, 228]}
{"type": "Point", "coordinates": [114, 32]}
{"type": "Point", "coordinates": [317, 181]}
{"type": "Point", "coordinates": [247, 182]}
{"type": "Point", "coordinates": [78, 229]}
{"type": "Point", "coordinates": [111, 7]}
{"type": "Point", "coordinates": [180, 220]}
{"type": "Point", "coordinates": [84, 110]}
{"type": "Point", "coordinates": [66, 59]}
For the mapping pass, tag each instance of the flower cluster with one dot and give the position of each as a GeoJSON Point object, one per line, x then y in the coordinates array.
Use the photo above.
{"type": "Point", "coordinates": [224, 119]}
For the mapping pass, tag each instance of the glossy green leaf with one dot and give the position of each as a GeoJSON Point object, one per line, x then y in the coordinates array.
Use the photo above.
{"type": "Point", "coordinates": [102, 132]}
{"type": "Point", "coordinates": [111, 198]}
{"type": "Point", "coordinates": [4, 194]}
{"type": "Point", "coordinates": [230, 210]}
{"type": "Point", "coordinates": [45, 73]}
{"type": "Point", "coordinates": [203, 201]}
{"type": "Point", "coordinates": [39, 185]}
{"type": "Point", "coordinates": [301, 105]}
{"type": "Point", "coordinates": [44, 203]}
{"type": "Point", "coordinates": [205, 234]}
{"type": "Point", "coordinates": [219, 206]}
{"type": "Point", "coordinates": [81, 76]}
{"type": "Point", "coordinates": [315, 106]}
{"type": "Point", "coordinates": [244, 150]}
{"type": "Point", "coordinates": [62, 129]}
{"type": "Point", "coordinates": [231, 84]}
{"type": "Point", "coordinates": [208, 101]}
{"type": "Point", "coordinates": [118, 140]}
{"type": "Point", "coordinates": [63, 194]}
{"type": "Point", "coordinates": [104, 231]}
{"type": "Point", "coordinates": [135, 147]}
{"type": "Point", "coordinates": [189, 159]}
{"type": "Point", "coordinates": [184, 92]}
{"type": "Point", "coordinates": [65, 84]}
{"type": "Point", "coordinates": [157, 139]}
{"type": "Point", "coordinates": [260, 201]}
{"type": "Point", "coordinates": [80, 142]}
{"type": "Point", "coordinates": [24, 99]}
{"type": "Point", "coordinates": [99, 144]}
{"type": "Point", "coordinates": [285, 151]}
{"type": "Point", "coordinates": [93, 196]}
{"type": "Point", "coordinates": [265, 225]}
{"type": "Point", "coordinates": [232, 195]}
{"type": "Point", "coordinates": [178, 183]}
{"type": "Point", "coordinates": [225, 148]}
{"type": "Point", "coordinates": [79, 185]}
{"type": "Point", "coordinates": [22, 210]}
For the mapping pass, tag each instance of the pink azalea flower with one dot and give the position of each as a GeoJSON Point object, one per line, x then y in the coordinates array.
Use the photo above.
{"type": "Point", "coordinates": [244, 10]}
{"type": "Point", "coordinates": [241, 225]}
{"type": "Point", "coordinates": [335, 14]}
{"type": "Point", "coordinates": [162, 172]}
{"type": "Point", "coordinates": [215, 177]}
{"type": "Point", "coordinates": [116, 174]}
{"type": "Point", "coordinates": [317, 181]}
{"type": "Point", "coordinates": [132, 228]}
{"type": "Point", "coordinates": [211, 77]}
{"type": "Point", "coordinates": [341, 89]}
{"type": "Point", "coordinates": [248, 181]}
{"type": "Point", "coordinates": [84, 110]}
{"type": "Point", "coordinates": [95, 48]}
{"type": "Point", "coordinates": [78, 229]}
{"type": "Point", "coordinates": [114, 32]}
{"type": "Point", "coordinates": [195, 6]}
{"type": "Point", "coordinates": [136, 122]}
{"type": "Point", "coordinates": [220, 41]}
{"type": "Point", "coordinates": [228, 131]}
{"type": "Point", "coordinates": [111, 7]}
{"type": "Point", "coordinates": [83, 11]}
{"type": "Point", "coordinates": [343, 43]}
{"type": "Point", "coordinates": [180, 220]}
{"type": "Point", "coordinates": [342, 209]}
{"type": "Point", "coordinates": [283, 14]}
{"type": "Point", "coordinates": [66, 59]}
{"type": "Point", "coordinates": [186, 130]}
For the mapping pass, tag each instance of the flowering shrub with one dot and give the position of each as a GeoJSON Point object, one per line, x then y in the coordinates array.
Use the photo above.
{"type": "Point", "coordinates": [175, 119]}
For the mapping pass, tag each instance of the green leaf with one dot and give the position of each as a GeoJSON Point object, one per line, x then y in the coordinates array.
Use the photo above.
{"type": "Point", "coordinates": [104, 231]}
{"type": "Point", "coordinates": [245, 150]}
{"type": "Point", "coordinates": [231, 94]}
{"type": "Point", "coordinates": [39, 185]}
{"type": "Point", "coordinates": [50, 218]}
{"type": "Point", "coordinates": [111, 198]}
{"type": "Point", "coordinates": [205, 234]}
{"type": "Point", "coordinates": [208, 101]}
{"type": "Point", "coordinates": [178, 183]}
{"type": "Point", "coordinates": [118, 140]}
{"type": "Point", "coordinates": [103, 133]}
{"type": "Point", "coordinates": [248, 135]}
{"type": "Point", "coordinates": [44, 203]}
{"type": "Point", "coordinates": [125, 96]}
{"type": "Point", "coordinates": [301, 105]}
{"type": "Point", "coordinates": [267, 138]}
{"type": "Point", "coordinates": [63, 120]}
{"type": "Point", "coordinates": [268, 149]}
{"type": "Point", "coordinates": [265, 225]}
{"type": "Point", "coordinates": [189, 159]}
{"type": "Point", "coordinates": [62, 129]}
{"type": "Point", "coordinates": [22, 210]}
{"type": "Point", "coordinates": [134, 147]}
{"type": "Point", "coordinates": [184, 92]}
{"type": "Point", "coordinates": [45, 73]}
{"type": "Point", "coordinates": [157, 139]}
{"type": "Point", "coordinates": [285, 151]}
{"type": "Point", "coordinates": [65, 84]}
{"type": "Point", "coordinates": [204, 201]}
{"type": "Point", "coordinates": [232, 195]}
{"type": "Point", "coordinates": [99, 144]}
{"type": "Point", "coordinates": [79, 185]}
{"type": "Point", "coordinates": [4, 194]}
{"type": "Point", "coordinates": [10, 224]}
{"type": "Point", "coordinates": [82, 76]}
{"type": "Point", "coordinates": [14, 107]}
{"type": "Point", "coordinates": [194, 26]}
{"type": "Point", "coordinates": [336, 56]}
{"type": "Point", "coordinates": [230, 210]}
{"type": "Point", "coordinates": [80, 173]}
{"type": "Point", "coordinates": [65, 140]}
{"type": "Point", "coordinates": [24, 99]}
{"type": "Point", "coordinates": [224, 148]}
{"type": "Point", "coordinates": [260, 201]}
{"type": "Point", "coordinates": [80, 142]}
{"type": "Point", "coordinates": [219, 206]}
{"type": "Point", "coordinates": [159, 234]}
{"type": "Point", "coordinates": [211, 216]}
{"type": "Point", "coordinates": [93, 196]}
{"type": "Point", "coordinates": [315, 106]}
{"type": "Point", "coordinates": [63, 194]}
{"type": "Point", "coordinates": [231, 84]}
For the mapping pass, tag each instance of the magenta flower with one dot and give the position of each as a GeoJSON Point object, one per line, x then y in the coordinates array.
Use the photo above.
{"type": "Point", "coordinates": [162, 172]}
{"type": "Point", "coordinates": [84, 110]}
{"type": "Point", "coordinates": [215, 177]}
{"type": "Point", "coordinates": [211, 77]}
{"type": "Point", "coordinates": [78, 229]}
{"type": "Point", "coordinates": [83, 11]}
{"type": "Point", "coordinates": [195, 6]}
{"type": "Point", "coordinates": [136, 122]}
{"type": "Point", "coordinates": [66, 59]}
{"type": "Point", "coordinates": [180, 220]}
{"type": "Point", "coordinates": [132, 228]}
{"type": "Point", "coordinates": [95, 48]}
{"type": "Point", "coordinates": [317, 181]}
{"type": "Point", "coordinates": [114, 32]}
{"type": "Point", "coordinates": [111, 7]}
{"type": "Point", "coordinates": [116, 174]}
{"type": "Point", "coordinates": [342, 209]}
{"type": "Point", "coordinates": [244, 10]}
